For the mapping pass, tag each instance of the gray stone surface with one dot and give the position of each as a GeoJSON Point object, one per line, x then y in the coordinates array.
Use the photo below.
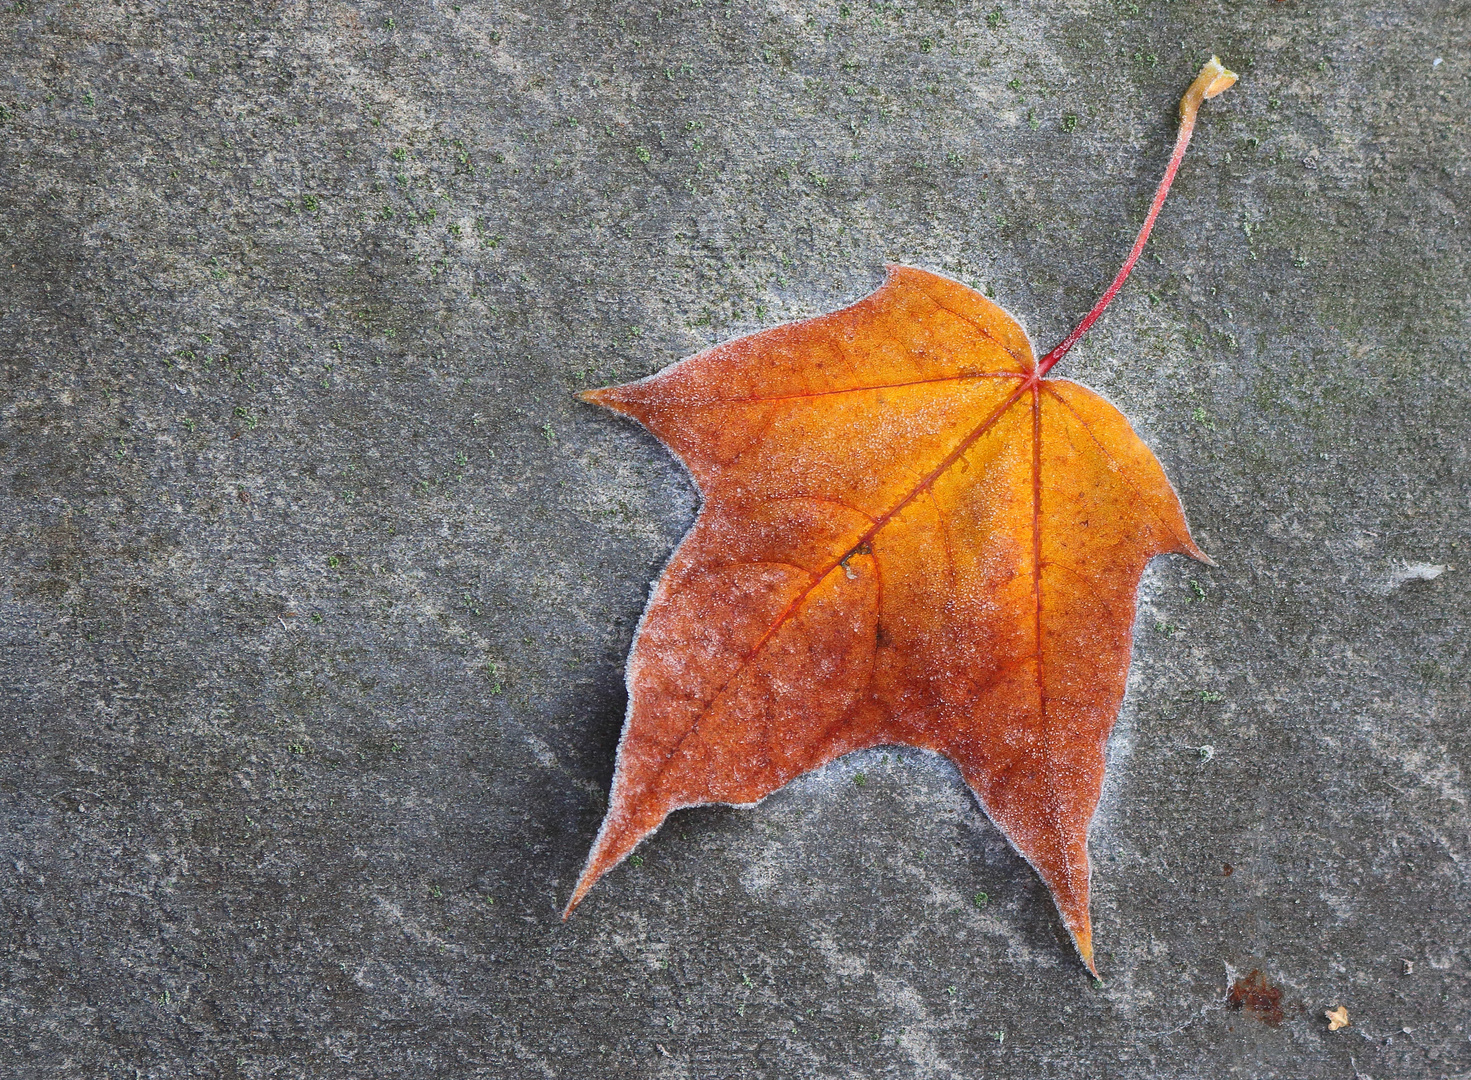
{"type": "Point", "coordinates": [317, 580]}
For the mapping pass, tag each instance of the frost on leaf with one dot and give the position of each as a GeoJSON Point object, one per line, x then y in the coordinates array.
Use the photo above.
{"type": "Point", "coordinates": [910, 535]}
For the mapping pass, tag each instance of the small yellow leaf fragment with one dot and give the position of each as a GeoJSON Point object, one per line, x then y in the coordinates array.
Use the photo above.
{"type": "Point", "coordinates": [1337, 1017]}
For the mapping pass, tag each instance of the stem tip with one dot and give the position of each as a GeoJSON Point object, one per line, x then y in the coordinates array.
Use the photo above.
{"type": "Point", "coordinates": [1213, 79]}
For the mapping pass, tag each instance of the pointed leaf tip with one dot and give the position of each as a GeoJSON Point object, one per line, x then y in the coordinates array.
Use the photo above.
{"type": "Point", "coordinates": [1083, 939]}
{"type": "Point", "coordinates": [578, 892]}
{"type": "Point", "coordinates": [1189, 547]}
{"type": "Point", "coordinates": [621, 399]}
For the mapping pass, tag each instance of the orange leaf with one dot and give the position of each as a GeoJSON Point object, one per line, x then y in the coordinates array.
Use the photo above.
{"type": "Point", "coordinates": [910, 535]}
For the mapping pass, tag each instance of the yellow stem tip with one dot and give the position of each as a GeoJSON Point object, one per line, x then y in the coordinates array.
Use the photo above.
{"type": "Point", "coordinates": [1213, 79]}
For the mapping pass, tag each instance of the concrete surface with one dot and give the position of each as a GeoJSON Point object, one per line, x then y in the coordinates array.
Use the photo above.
{"type": "Point", "coordinates": [316, 579]}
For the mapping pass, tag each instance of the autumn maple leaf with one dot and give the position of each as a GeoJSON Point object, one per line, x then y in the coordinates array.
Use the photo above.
{"type": "Point", "coordinates": [910, 535]}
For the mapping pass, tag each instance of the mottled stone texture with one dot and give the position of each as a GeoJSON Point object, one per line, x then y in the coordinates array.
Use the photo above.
{"type": "Point", "coordinates": [317, 579]}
